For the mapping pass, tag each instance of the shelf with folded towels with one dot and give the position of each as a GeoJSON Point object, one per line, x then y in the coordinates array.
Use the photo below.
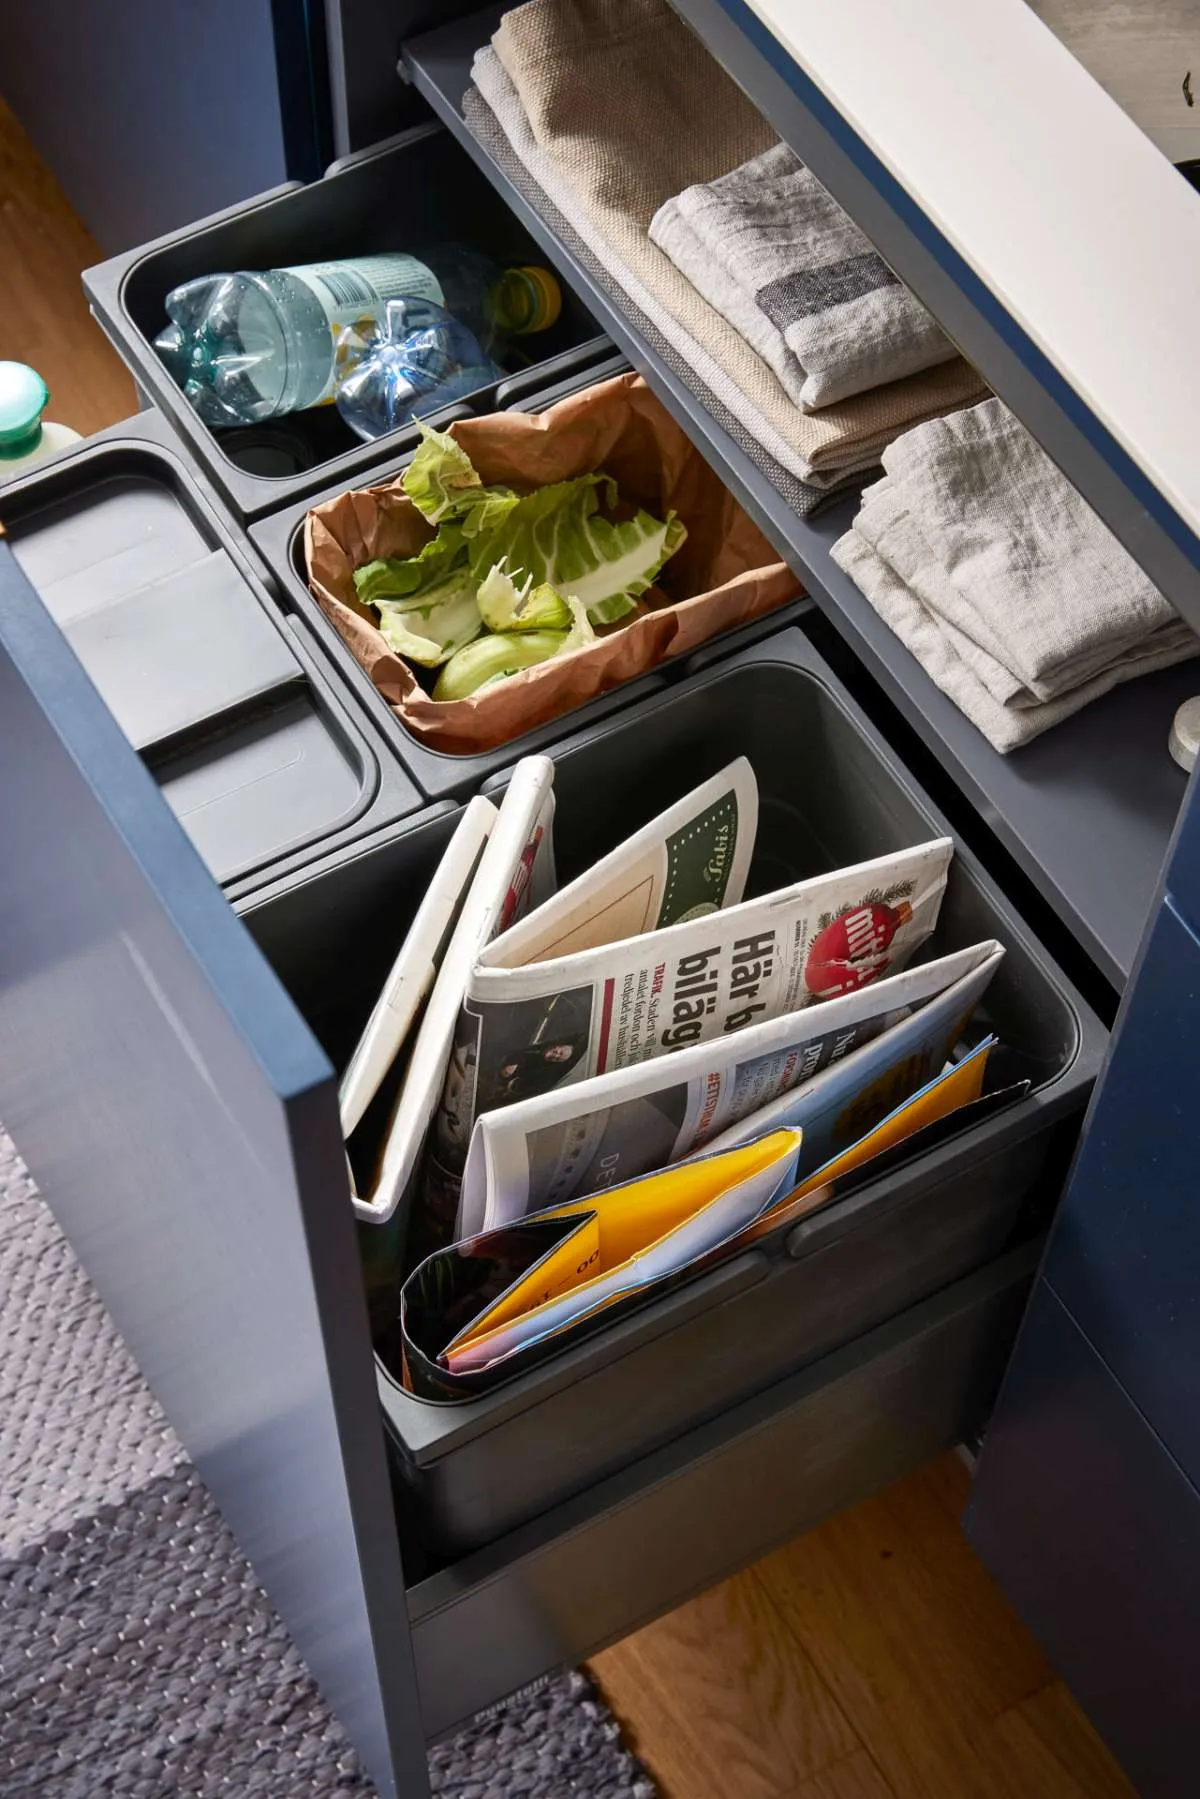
{"type": "Point", "coordinates": [1087, 810]}
{"type": "Point", "coordinates": [1050, 237]}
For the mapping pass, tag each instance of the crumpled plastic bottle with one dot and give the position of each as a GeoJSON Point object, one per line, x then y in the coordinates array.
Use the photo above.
{"type": "Point", "coordinates": [418, 359]}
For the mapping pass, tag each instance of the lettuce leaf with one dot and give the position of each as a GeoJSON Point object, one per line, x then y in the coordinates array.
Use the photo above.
{"type": "Point", "coordinates": [442, 484]}
{"type": "Point", "coordinates": [431, 627]}
{"type": "Point", "coordinates": [556, 536]}
{"type": "Point", "coordinates": [396, 577]}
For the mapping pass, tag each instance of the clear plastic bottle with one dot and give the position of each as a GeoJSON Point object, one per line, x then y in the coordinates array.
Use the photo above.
{"type": "Point", "coordinates": [251, 345]}
{"type": "Point", "coordinates": [419, 359]}
{"type": "Point", "coordinates": [24, 436]}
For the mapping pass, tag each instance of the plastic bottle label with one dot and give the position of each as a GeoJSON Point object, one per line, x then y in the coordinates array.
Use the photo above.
{"type": "Point", "coordinates": [355, 292]}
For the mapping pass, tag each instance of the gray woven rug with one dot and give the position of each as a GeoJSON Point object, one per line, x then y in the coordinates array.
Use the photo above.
{"type": "Point", "coordinates": [139, 1658]}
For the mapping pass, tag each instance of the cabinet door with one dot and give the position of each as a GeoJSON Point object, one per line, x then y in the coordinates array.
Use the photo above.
{"type": "Point", "coordinates": [1126, 1248]}
{"type": "Point", "coordinates": [1094, 1532]}
{"type": "Point", "coordinates": [153, 114]}
{"type": "Point", "coordinates": [181, 1120]}
{"type": "Point", "coordinates": [1086, 1506]}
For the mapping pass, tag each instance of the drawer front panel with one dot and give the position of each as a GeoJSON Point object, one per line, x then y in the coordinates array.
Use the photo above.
{"type": "Point", "coordinates": [645, 1541]}
{"type": "Point", "coordinates": [179, 1117]}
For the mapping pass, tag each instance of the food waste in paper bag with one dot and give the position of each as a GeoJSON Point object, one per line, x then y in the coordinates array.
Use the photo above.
{"type": "Point", "coordinates": [510, 579]}
{"type": "Point", "coordinates": [713, 570]}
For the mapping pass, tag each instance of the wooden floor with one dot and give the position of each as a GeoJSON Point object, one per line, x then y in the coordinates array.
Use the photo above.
{"type": "Point", "coordinates": [872, 1659]}
{"type": "Point", "coordinates": [44, 318]}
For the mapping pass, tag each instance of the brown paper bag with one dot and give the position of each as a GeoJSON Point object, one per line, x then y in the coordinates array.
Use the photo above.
{"type": "Point", "coordinates": [724, 575]}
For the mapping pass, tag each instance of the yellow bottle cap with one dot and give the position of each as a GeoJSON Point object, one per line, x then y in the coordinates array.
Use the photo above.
{"type": "Point", "coordinates": [530, 299]}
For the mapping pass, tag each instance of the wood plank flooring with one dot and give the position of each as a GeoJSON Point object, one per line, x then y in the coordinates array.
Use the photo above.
{"type": "Point", "coordinates": [872, 1659]}
{"type": "Point", "coordinates": [44, 318]}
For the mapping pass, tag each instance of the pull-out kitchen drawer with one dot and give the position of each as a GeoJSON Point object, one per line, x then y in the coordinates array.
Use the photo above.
{"type": "Point", "coordinates": [830, 794]}
{"type": "Point", "coordinates": [178, 1109]}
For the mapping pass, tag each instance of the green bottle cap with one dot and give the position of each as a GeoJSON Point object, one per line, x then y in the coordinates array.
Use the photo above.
{"type": "Point", "coordinates": [23, 399]}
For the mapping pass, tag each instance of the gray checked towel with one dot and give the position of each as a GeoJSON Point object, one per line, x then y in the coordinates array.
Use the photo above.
{"type": "Point", "coordinates": [777, 257]}
{"type": "Point", "coordinates": [1001, 580]}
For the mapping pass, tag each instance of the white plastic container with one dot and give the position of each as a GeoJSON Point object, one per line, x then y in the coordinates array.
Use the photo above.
{"type": "Point", "coordinates": [24, 437]}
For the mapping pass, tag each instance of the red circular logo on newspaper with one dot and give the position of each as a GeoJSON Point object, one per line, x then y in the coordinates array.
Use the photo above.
{"type": "Point", "coordinates": [853, 950]}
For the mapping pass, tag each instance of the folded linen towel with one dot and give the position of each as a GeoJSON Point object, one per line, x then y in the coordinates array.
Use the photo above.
{"type": "Point", "coordinates": [1006, 727]}
{"type": "Point", "coordinates": [803, 497]}
{"type": "Point", "coordinates": [1032, 574]}
{"type": "Point", "coordinates": [1000, 578]}
{"type": "Point", "coordinates": [888, 525]}
{"type": "Point", "coordinates": [631, 108]}
{"type": "Point", "coordinates": [777, 256]}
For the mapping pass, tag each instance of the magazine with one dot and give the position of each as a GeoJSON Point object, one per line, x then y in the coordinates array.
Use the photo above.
{"type": "Point", "coordinates": [952, 1099]}
{"type": "Point", "coordinates": [632, 1236]}
{"type": "Point", "coordinates": [413, 972]}
{"type": "Point", "coordinates": [515, 872]}
{"type": "Point", "coordinates": [495, 1305]}
{"type": "Point", "coordinates": [850, 1098]}
{"type": "Point", "coordinates": [600, 1132]}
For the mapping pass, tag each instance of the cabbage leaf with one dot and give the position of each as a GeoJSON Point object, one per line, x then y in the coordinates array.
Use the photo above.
{"type": "Point", "coordinates": [557, 536]}
{"type": "Point", "coordinates": [431, 627]}
{"type": "Point", "coordinates": [442, 484]}
{"type": "Point", "coordinates": [493, 658]}
{"type": "Point", "coordinates": [396, 577]}
{"type": "Point", "coordinates": [507, 605]}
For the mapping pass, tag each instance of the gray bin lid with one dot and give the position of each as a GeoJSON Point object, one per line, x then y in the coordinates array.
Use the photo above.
{"type": "Point", "coordinates": [194, 662]}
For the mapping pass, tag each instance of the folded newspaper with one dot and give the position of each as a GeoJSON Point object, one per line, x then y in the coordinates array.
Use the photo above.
{"type": "Point", "coordinates": [617, 969]}
{"type": "Point", "coordinates": [593, 1134]}
{"type": "Point", "coordinates": [685, 865]}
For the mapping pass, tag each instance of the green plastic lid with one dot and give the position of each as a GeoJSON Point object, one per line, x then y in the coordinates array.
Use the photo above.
{"type": "Point", "coordinates": [23, 399]}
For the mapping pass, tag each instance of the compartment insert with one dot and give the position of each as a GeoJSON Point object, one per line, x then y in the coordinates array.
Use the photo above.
{"type": "Point", "coordinates": [830, 794]}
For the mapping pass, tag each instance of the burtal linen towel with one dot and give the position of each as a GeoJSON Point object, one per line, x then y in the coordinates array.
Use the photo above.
{"type": "Point", "coordinates": [631, 108]}
{"type": "Point", "coordinates": [1001, 580]}
{"type": "Point", "coordinates": [777, 256]}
